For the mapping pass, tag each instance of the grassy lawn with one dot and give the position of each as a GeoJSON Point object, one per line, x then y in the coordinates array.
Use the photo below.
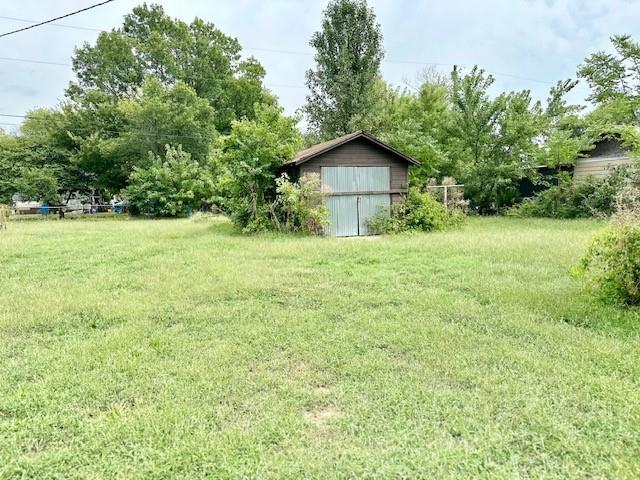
{"type": "Point", "coordinates": [155, 349]}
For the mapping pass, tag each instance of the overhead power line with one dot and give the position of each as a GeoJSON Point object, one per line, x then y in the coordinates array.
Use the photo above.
{"type": "Point", "coordinates": [60, 64]}
{"type": "Point", "coordinates": [264, 49]}
{"type": "Point", "coordinates": [56, 18]}
{"type": "Point", "coordinates": [63, 25]}
{"type": "Point", "coordinates": [26, 60]}
{"type": "Point", "coordinates": [119, 132]}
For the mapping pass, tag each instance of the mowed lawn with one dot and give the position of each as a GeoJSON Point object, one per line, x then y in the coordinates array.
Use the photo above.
{"type": "Point", "coordinates": [162, 349]}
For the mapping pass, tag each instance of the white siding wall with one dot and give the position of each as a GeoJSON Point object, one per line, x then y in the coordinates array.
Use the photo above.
{"type": "Point", "coordinates": [598, 167]}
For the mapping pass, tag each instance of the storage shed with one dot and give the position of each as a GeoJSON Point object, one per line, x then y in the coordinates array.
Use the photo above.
{"type": "Point", "coordinates": [359, 176]}
{"type": "Point", "coordinates": [607, 154]}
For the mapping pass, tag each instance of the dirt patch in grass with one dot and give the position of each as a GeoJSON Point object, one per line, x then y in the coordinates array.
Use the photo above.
{"type": "Point", "coordinates": [322, 415]}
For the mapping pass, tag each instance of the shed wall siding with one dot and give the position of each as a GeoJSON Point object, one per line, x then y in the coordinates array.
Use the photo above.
{"type": "Point", "coordinates": [361, 152]}
{"type": "Point", "coordinates": [598, 167]}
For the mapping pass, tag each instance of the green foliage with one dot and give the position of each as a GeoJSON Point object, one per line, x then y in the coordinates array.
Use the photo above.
{"type": "Point", "coordinates": [164, 116]}
{"type": "Point", "coordinates": [611, 266]}
{"type": "Point", "coordinates": [10, 165]}
{"type": "Point", "coordinates": [299, 205]}
{"type": "Point", "coordinates": [562, 136]}
{"type": "Point", "coordinates": [348, 54]}
{"type": "Point", "coordinates": [494, 140]}
{"type": "Point", "coordinates": [423, 212]}
{"type": "Point", "coordinates": [249, 158]}
{"type": "Point", "coordinates": [614, 80]}
{"type": "Point", "coordinates": [592, 197]}
{"type": "Point", "coordinates": [417, 123]}
{"type": "Point", "coordinates": [388, 221]}
{"type": "Point", "coordinates": [151, 43]}
{"type": "Point", "coordinates": [157, 117]}
{"type": "Point", "coordinates": [612, 76]}
{"type": "Point", "coordinates": [172, 186]}
{"type": "Point", "coordinates": [561, 147]}
{"type": "Point", "coordinates": [38, 184]}
{"type": "Point", "coordinates": [43, 145]}
{"type": "Point", "coordinates": [417, 211]}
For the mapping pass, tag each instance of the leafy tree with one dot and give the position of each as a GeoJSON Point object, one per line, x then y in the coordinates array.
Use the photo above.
{"type": "Point", "coordinates": [348, 54]}
{"type": "Point", "coordinates": [417, 123]}
{"type": "Point", "coordinates": [150, 43]}
{"type": "Point", "coordinates": [563, 135]}
{"type": "Point", "coordinates": [45, 143]}
{"type": "Point", "coordinates": [41, 150]}
{"type": "Point", "coordinates": [614, 80]}
{"type": "Point", "coordinates": [39, 184]}
{"type": "Point", "coordinates": [164, 116]}
{"type": "Point", "coordinates": [494, 139]}
{"type": "Point", "coordinates": [250, 157]}
{"type": "Point", "coordinates": [170, 186]}
{"type": "Point", "coordinates": [9, 166]}
{"type": "Point", "coordinates": [110, 66]}
{"type": "Point", "coordinates": [124, 131]}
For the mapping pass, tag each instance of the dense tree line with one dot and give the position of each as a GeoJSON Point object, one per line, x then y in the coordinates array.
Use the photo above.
{"type": "Point", "coordinates": [163, 109]}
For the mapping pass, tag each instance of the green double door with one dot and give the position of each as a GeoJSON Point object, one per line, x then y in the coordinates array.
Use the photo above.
{"type": "Point", "coordinates": [353, 195]}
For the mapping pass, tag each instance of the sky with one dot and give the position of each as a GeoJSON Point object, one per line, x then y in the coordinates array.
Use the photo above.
{"type": "Point", "coordinates": [526, 44]}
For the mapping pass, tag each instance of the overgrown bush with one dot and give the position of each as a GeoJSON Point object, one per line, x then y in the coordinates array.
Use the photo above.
{"type": "Point", "coordinates": [592, 197]}
{"type": "Point", "coordinates": [628, 205]}
{"type": "Point", "coordinates": [611, 266]}
{"type": "Point", "coordinates": [417, 211]}
{"type": "Point", "coordinates": [388, 221]}
{"type": "Point", "coordinates": [172, 186]}
{"type": "Point", "coordinates": [299, 206]}
{"type": "Point", "coordinates": [249, 159]}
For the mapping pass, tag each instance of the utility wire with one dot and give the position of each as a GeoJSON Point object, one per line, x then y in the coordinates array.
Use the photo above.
{"type": "Point", "coordinates": [54, 19]}
{"type": "Point", "coordinates": [27, 60]}
{"type": "Point", "coordinates": [285, 52]}
{"type": "Point", "coordinates": [63, 25]}
{"type": "Point", "coordinates": [60, 64]}
{"type": "Point", "coordinates": [500, 74]}
{"type": "Point", "coordinates": [119, 132]}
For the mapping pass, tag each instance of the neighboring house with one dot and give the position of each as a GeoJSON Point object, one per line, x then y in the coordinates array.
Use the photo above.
{"type": "Point", "coordinates": [359, 175]}
{"type": "Point", "coordinates": [607, 154]}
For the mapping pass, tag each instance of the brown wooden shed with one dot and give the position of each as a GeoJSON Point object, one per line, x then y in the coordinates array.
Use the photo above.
{"type": "Point", "coordinates": [359, 175]}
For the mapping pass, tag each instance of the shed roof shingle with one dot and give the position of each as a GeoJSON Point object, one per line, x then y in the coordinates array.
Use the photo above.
{"type": "Point", "coordinates": [315, 150]}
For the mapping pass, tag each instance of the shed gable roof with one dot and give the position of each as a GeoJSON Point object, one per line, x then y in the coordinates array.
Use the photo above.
{"type": "Point", "coordinates": [315, 150]}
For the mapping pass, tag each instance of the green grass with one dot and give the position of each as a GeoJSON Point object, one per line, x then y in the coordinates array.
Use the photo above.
{"type": "Point", "coordinates": [159, 349]}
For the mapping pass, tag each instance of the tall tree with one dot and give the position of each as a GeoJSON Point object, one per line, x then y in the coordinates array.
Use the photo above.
{"type": "Point", "coordinates": [151, 43]}
{"type": "Point", "coordinates": [614, 80]}
{"type": "Point", "coordinates": [416, 122]}
{"type": "Point", "coordinates": [348, 55]}
{"type": "Point", "coordinates": [493, 139]}
{"type": "Point", "coordinates": [563, 136]}
{"type": "Point", "coordinates": [10, 165]}
{"type": "Point", "coordinates": [124, 133]}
